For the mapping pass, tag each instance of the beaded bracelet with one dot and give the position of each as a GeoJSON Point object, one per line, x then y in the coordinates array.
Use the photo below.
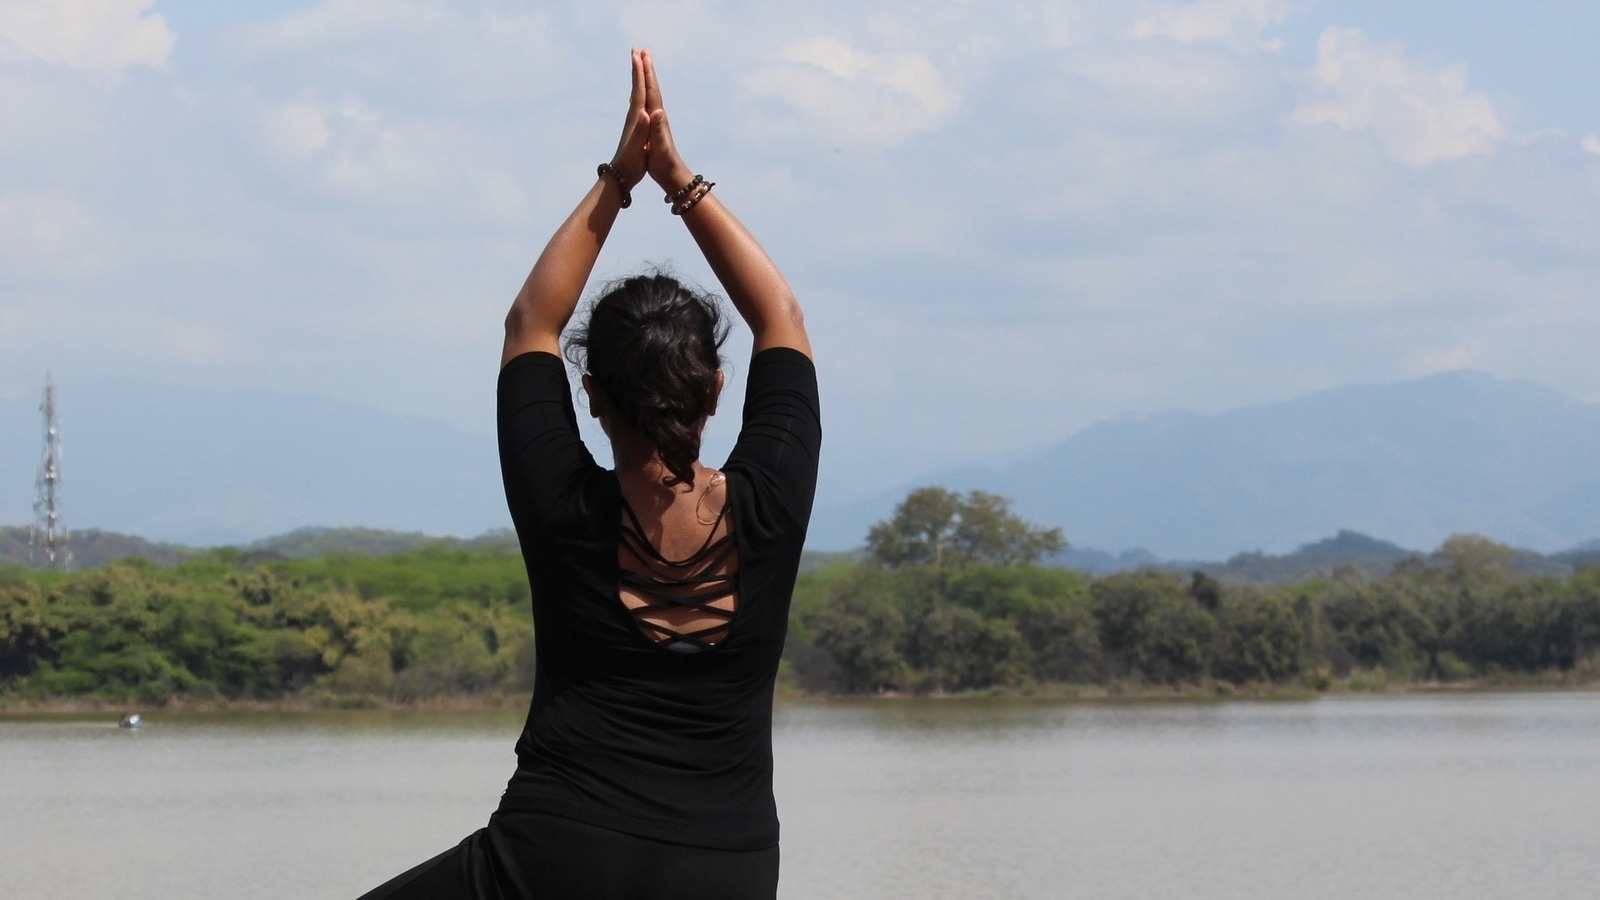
{"type": "Point", "coordinates": [679, 209]}
{"type": "Point", "coordinates": [684, 191]}
{"type": "Point", "coordinates": [608, 169]}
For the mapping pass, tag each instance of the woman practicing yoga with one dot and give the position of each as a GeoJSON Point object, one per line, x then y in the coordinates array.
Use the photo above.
{"type": "Point", "coordinates": [661, 589]}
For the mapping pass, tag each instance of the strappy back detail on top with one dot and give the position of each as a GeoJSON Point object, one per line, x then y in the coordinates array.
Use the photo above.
{"type": "Point", "coordinates": [695, 582]}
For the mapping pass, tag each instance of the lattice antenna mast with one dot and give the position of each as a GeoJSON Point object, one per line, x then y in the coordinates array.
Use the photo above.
{"type": "Point", "coordinates": [50, 548]}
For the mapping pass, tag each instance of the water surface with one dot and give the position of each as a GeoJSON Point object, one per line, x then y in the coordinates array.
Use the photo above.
{"type": "Point", "coordinates": [1459, 797]}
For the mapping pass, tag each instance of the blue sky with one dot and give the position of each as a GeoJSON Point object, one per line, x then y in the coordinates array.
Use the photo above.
{"type": "Point", "coordinates": [1007, 221]}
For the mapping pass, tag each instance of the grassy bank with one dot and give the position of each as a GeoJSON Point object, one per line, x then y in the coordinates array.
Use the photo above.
{"type": "Point", "coordinates": [1356, 684]}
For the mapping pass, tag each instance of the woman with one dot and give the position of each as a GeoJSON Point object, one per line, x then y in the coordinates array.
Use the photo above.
{"type": "Point", "coordinates": [661, 590]}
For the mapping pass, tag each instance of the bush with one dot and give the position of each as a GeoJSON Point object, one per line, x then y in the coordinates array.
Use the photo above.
{"type": "Point", "coordinates": [1265, 641]}
{"type": "Point", "coordinates": [862, 628]}
{"type": "Point", "coordinates": [1151, 627]}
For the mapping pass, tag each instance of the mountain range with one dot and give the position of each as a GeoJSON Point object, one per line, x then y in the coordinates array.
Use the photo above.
{"type": "Point", "coordinates": [1325, 558]}
{"type": "Point", "coordinates": [1410, 462]}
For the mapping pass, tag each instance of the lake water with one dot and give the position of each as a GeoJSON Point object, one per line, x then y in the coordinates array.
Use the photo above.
{"type": "Point", "coordinates": [1458, 797]}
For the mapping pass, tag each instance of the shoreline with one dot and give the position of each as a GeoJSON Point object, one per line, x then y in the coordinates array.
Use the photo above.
{"type": "Point", "coordinates": [1116, 693]}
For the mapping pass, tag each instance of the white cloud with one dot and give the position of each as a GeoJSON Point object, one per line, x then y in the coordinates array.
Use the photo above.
{"type": "Point", "coordinates": [1166, 89]}
{"type": "Point", "coordinates": [1591, 143]}
{"type": "Point", "coordinates": [909, 74]}
{"type": "Point", "coordinates": [49, 234]}
{"type": "Point", "coordinates": [1444, 359]}
{"type": "Point", "coordinates": [458, 55]}
{"type": "Point", "coordinates": [1238, 20]}
{"type": "Point", "coordinates": [336, 22]}
{"type": "Point", "coordinates": [200, 342]}
{"type": "Point", "coordinates": [103, 35]}
{"type": "Point", "coordinates": [354, 150]}
{"type": "Point", "coordinates": [1421, 115]}
{"type": "Point", "coordinates": [298, 128]}
{"type": "Point", "coordinates": [854, 95]}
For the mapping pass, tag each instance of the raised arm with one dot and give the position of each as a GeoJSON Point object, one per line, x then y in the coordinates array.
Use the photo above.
{"type": "Point", "coordinates": [552, 290]}
{"type": "Point", "coordinates": [751, 279]}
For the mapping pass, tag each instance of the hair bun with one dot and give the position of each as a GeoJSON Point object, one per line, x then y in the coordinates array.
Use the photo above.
{"type": "Point", "coordinates": [654, 347]}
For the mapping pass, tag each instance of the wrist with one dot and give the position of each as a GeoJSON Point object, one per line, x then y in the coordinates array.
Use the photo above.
{"type": "Point", "coordinates": [675, 178]}
{"type": "Point", "coordinates": [626, 175]}
{"type": "Point", "coordinates": [614, 181]}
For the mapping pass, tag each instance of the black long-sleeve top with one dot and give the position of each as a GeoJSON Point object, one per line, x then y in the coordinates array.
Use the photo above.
{"type": "Point", "coordinates": [623, 732]}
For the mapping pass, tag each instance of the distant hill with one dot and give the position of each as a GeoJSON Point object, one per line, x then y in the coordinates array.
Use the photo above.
{"type": "Point", "coordinates": [1413, 462]}
{"type": "Point", "coordinates": [309, 542]}
{"type": "Point", "coordinates": [1101, 562]}
{"type": "Point", "coordinates": [92, 547]}
{"type": "Point", "coordinates": [1319, 559]}
{"type": "Point", "coordinates": [812, 560]}
{"type": "Point", "coordinates": [1582, 556]}
{"type": "Point", "coordinates": [1347, 549]}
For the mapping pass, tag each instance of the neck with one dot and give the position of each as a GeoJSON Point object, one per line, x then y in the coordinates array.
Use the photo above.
{"type": "Point", "coordinates": [640, 468]}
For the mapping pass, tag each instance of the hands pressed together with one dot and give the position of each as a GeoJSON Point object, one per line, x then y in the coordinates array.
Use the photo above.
{"type": "Point", "coordinates": [552, 290]}
{"type": "Point", "coordinates": [646, 146]}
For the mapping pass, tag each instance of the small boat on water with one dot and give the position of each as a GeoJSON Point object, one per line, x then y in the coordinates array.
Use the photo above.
{"type": "Point", "coordinates": [130, 720]}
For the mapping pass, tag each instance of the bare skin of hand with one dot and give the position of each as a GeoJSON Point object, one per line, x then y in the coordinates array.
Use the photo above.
{"type": "Point", "coordinates": [666, 167]}
{"type": "Point", "coordinates": [630, 162]}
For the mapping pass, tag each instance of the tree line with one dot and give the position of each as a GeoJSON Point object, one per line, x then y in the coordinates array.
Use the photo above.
{"type": "Point", "coordinates": [951, 595]}
{"type": "Point", "coordinates": [340, 628]}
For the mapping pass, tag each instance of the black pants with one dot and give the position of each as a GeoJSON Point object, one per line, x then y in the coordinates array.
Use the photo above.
{"type": "Point", "coordinates": [532, 856]}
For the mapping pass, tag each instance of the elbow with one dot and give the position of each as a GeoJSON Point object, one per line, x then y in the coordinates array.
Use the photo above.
{"type": "Point", "coordinates": [790, 315]}
{"type": "Point", "coordinates": [782, 325]}
{"type": "Point", "coordinates": [527, 330]}
{"type": "Point", "coordinates": [516, 323]}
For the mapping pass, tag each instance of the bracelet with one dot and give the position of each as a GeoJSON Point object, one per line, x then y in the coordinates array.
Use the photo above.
{"type": "Point", "coordinates": [684, 191]}
{"type": "Point", "coordinates": [679, 209]}
{"type": "Point", "coordinates": [605, 169]}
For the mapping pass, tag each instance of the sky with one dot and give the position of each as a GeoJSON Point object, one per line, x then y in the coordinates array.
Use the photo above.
{"type": "Point", "coordinates": [1006, 221]}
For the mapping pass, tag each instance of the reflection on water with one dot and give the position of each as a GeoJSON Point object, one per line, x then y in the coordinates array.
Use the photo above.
{"type": "Point", "coordinates": [1477, 796]}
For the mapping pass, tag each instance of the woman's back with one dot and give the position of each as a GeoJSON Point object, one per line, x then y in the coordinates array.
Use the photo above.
{"type": "Point", "coordinates": [679, 558]}
{"type": "Point", "coordinates": [626, 729]}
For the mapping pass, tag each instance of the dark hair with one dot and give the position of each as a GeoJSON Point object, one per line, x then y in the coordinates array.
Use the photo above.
{"type": "Point", "coordinates": [653, 347]}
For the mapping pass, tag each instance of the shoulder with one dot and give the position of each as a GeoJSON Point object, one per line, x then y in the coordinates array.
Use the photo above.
{"type": "Point", "coordinates": [781, 381]}
{"type": "Point", "coordinates": [773, 466]}
{"type": "Point", "coordinates": [548, 471]}
{"type": "Point", "coordinates": [534, 382]}
{"type": "Point", "coordinates": [534, 362]}
{"type": "Point", "coordinates": [779, 362]}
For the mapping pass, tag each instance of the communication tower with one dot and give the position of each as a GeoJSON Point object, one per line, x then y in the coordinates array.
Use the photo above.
{"type": "Point", "coordinates": [49, 547]}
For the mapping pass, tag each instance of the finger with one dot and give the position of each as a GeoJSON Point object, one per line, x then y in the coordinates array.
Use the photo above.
{"type": "Point", "coordinates": [652, 87]}
{"type": "Point", "coordinates": [637, 98]}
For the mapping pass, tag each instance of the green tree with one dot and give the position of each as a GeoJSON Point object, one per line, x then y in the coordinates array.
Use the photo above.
{"type": "Point", "coordinates": [1374, 624]}
{"type": "Point", "coordinates": [862, 628]}
{"type": "Point", "coordinates": [957, 649]}
{"type": "Point", "coordinates": [1473, 559]}
{"type": "Point", "coordinates": [1523, 626]}
{"type": "Point", "coordinates": [1206, 591]}
{"type": "Point", "coordinates": [936, 527]}
{"type": "Point", "coordinates": [1152, 627]}
{"type": "Point", "coordinates": [1265, 640]}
